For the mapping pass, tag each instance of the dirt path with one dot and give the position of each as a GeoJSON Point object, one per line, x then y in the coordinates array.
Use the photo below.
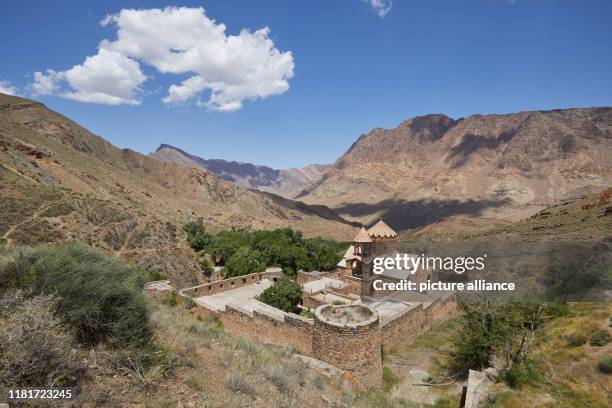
{"type": "Point", "coordinates": [35, 215]}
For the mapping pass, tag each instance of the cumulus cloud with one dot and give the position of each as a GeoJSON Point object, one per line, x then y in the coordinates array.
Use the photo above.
{"type": "Point", "coordinates": [108, 77]}
{"type": "Point", "coordinates": [381, 7]}
{"type": "Point", "coordinates": [224, 70]}
{"type": "Point", "coordinates": [7, 88]}
{"type": "Point", "coordinates": [46, 84]}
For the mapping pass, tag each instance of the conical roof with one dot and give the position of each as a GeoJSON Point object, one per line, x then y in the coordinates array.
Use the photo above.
{"type": "Point", "coordinates": [362, 236]}
{"type": "Point", "coordinates": [381, 230]}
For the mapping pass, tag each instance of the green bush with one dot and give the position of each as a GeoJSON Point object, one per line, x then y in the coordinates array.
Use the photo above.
{"type": "Point", "coordinates": [206, 266]}
{"type": "Point", "coordinates": [558, 309]}
{"type": "Point", "coordinates": [153, 276]}
{"type": "Point", "coordinates": [190, 303]}
{"type": "Point", "coordinates": [576, 339]}
{"type": "Point", "coordinates": [197, 237]}
{"type": "Point", "coordinates": [307, 313]}
{"type": "Point", "coordinates": [605, 365]}
{"type": "Point", "coordinates": [171, 299]}
{"type": "Point", "coordinates": [520, 374]}
{"type": "Point", "coordinates": [600, 338]}
{"type": "Point", "coordinates": [99, 297]}
{"type": "Point", "coordinates": [284, 295]}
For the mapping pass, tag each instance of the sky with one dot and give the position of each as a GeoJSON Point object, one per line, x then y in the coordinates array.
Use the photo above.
{"type": "Point", "coordinates": [289, 83]}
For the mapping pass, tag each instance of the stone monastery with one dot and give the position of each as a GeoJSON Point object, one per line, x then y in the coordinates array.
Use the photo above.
{"type": "Point", "coordinates": [353, 323]}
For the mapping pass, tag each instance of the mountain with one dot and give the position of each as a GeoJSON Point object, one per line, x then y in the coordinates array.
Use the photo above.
{"type": "Point", "coordinates": [496, 167]}
{"type": "Point", "coordinates": [59, 182]}
{"type": "Point", "coordinates": [283, 182]}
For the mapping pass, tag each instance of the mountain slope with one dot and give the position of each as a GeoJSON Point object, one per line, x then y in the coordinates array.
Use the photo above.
{"type": "Point", "coordinates": [499, 166]}
{"type": "Point", "coordinates": [59, 182]}
{"type": "Point", "coordinates": [284, 182]}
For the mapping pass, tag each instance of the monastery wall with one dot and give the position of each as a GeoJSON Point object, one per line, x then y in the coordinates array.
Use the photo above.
{"type": "Point", "coordinates": [353, 347]}
{"type": "Point", "coordinates": [415, 321]}
{"type": "Point", "coordinates": [293, 331]}
{"type": "Point", "coordinates": [231, 283]}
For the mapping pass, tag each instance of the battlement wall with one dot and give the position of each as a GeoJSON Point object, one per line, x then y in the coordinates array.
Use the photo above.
{"type": "Point", "coordinates": [231, 283]}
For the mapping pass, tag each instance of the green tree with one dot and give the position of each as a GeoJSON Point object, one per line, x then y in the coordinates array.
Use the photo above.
{"type": "Point", "coordinates": [197, 237]}
{"type": "Point", "coordinates": [226, 243]}
{"type": "Point", "coordinates": [244, 261]}
{"type": "Point", "coordinates": [506, 330]}
{"type": "Point", "coordinates": [284, 294]}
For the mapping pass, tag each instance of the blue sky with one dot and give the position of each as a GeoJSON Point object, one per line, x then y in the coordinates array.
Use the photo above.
{"type": "Point", "coordinates": [349, 69]}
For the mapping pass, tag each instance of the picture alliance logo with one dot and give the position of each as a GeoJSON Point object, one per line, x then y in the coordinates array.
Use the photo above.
{"type": "Point", "coordinates": [413, 264]}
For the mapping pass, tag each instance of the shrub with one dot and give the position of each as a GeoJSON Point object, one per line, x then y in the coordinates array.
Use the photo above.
{"type": "Point", "coordinates": [190, 303]}
{"type": "Point", "coordinates": [206, 266]}
{"type": "Point", "coordinates": [600, 338]}
{"type": "Point", "coordinates": [284, 295]}
{"type": "Point", "coordinates": [389, 379]}
{"type": "Point", "coordinates": [520, 374]}
{"type": "Point", "coordinates": [605, 365]}
{"type": "Point", "coordinates": [238, 382]}
{"type": "Point", "coordinates": [98, 296]}
{"type": "Point", "coordinates": [197, 237]}
{"type": "Point", "coordinates": [576, 339]}
{"type": "Point", "coordinates": [35, 350]}
{"type": "Point", "coordinates": [558, 309]}
{"type": "Point", "coordinates": [153, 276]}
{"type": "Point", "coordinates": [307, 313]}
{"type": "Point", "coordinates": [171, 299]}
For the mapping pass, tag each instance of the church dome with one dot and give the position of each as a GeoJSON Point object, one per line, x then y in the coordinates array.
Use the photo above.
{"type": "Point", "coordinates": [363, 236]}
{"type": "Point", "coordinates": [381, 230]}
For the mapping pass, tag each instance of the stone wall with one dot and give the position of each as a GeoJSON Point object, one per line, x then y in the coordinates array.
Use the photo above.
{"type": "Point", "coordinates": [415, 321]}
{"type": "Point", "coordinates": [353, 347]}
{"type": "Point", "coordinates": [293, 331]}
{"type": "Point", "coordinates": [231, 283]}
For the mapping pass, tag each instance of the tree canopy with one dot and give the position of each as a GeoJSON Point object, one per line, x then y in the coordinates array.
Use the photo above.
{"type": "Point", "coordinates": [243, 252]}
{"type": "Point", "coordinates": [284, 294]}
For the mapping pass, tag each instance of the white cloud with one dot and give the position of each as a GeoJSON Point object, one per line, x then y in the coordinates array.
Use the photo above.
{"type": "Point", "coordinates": [46, 84]}
{"type": "Point", "coordinates": [108, 77]}
{"type": "Point", "coordinates": [381, 7]}
{"type": "Point", "coordinates": [225, 70]}
{"type": "Point", "coordinates": [7, 88]}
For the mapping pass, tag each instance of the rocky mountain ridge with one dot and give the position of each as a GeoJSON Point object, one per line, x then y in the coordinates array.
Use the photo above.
{"type": "Point", "coordinates": [503, 167]}
{"type": "Point", "coordinates": [283, 182]}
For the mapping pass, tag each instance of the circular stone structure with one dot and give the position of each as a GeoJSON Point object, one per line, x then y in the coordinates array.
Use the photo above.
{"type": "Point", "coordinates": [348, 337]}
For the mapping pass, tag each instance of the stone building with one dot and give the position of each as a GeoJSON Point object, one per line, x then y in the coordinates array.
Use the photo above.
{"type": "Point", "coordinates": [379, 240]}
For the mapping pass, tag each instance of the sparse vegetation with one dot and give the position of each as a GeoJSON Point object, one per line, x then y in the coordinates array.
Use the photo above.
{"type": "Point", "coordinates": [605, 365]}
{"type": "Point", "coordinates": [389, 379]}
{"type": "Point", "coordinates": [35, 348]}
{"type": "Point", "coordinates": [600, 338]}
{"type": "Point", "coordinates": [170, 299]}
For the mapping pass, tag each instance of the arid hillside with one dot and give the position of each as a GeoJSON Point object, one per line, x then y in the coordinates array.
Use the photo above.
{"type": "Point", "coordinates": [283, 182]}
{"type": "Point", "coordinates": [59, 182]}
{"type": "Point", "coordinates": [504, 167]}
{"type": "Point", "coordinates": [563, 251]}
